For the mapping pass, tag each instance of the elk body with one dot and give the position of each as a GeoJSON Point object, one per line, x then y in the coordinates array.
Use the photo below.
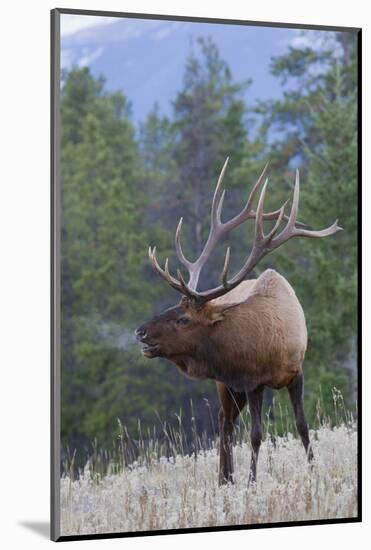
{"type": "Point", "coordinates": [245, 335]}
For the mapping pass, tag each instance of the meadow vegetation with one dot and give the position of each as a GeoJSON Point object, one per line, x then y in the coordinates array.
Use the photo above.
{"type": "Point", "coordinates": [156, 492]}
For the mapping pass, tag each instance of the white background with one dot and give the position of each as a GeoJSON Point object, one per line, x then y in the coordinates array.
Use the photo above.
{"type": "Point", "coordinates": [24, 270]}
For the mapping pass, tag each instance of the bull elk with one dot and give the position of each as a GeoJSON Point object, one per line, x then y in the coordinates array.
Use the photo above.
{"type": "Point", "coordinates": [245, 335]}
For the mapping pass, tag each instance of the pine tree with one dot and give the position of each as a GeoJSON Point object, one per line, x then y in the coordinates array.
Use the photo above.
{"type": "Point", "coordinates": [104, 288]}
{"type": "Point", "coordinates": [330, 192]}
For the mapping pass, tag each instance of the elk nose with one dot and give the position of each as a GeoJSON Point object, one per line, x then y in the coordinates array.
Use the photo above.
{"type": "Point", "coordinates": [140, 333]}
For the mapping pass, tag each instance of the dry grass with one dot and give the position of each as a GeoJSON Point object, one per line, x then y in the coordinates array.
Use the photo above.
{"type": "Point", "coordinates": [182, 492]}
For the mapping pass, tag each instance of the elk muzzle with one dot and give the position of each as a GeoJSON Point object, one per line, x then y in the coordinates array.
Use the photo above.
{"type": "Point", "coordinates": [149, 349]}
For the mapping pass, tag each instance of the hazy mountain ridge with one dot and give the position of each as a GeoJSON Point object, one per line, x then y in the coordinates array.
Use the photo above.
{"type": "Point", "coordinates": [146, 58]}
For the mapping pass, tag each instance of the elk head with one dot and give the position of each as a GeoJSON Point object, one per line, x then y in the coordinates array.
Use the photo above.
{"type": "Point", "coordinates": [176, 331]}
{"type": "Point", "coordinates": [180, 330]}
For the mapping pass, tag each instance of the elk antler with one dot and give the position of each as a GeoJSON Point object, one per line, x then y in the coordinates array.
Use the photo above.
{"type": "Point", "coordinates": [263, 244]}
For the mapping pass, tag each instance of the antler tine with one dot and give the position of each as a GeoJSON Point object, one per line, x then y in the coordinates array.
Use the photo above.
{"type": "Point", "coordinates": [259, 233]}
{"type": "Point", "coordinates": [247, 209]}
{"type": "Point", "coordinates": [292, 223]}
{"type": "Point", "coordinates": [178, 246]}
{"type": "Point", "coordinates": [166, 268]}
{"type": "Point", "coordinates": [226, 267]}
{"type": "Point", "coordinates": [185, 289]}
{"type": "Point", "coordinates": [255, 189]}
{"type": "Point", "coordinates": [281, 216]}
{"type": "Point", "coordinates": [247, 212]}
{"type": "Point", "coordinates": [274, 216]}
{"type": "Point", "coordinates": [220, 206]}
{"type": "Point", "coordinates": [295, 203]}
{"type": "Point", "coordinates": [331, 230]}
{"type": "Point", "coordinates": [163, 272]}
{"type": "Point", "coordinates": [154, 262]}
{"type": "Point", "coordinates": [218, 196]}
{"type": "Point", "coordinates": [291, 229]}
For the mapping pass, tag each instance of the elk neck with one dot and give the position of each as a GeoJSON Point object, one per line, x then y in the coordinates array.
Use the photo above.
{"type": "Point", "coordinates": [223, 354]}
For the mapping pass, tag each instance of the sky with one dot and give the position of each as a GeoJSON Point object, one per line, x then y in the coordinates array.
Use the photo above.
{"type": "Point", "coordinates": [146, 58]}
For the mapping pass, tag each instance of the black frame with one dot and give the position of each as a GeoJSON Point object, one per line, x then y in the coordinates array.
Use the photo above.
{"type": "Point", "coordinates": [55, 274]}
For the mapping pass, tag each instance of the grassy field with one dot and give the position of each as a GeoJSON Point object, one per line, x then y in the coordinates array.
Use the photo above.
{"type": "Point", "coordinates": [181, 491]}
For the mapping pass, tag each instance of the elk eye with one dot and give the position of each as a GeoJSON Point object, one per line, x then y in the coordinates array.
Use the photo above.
{"type": "Point", "coordinates": [183, 321]}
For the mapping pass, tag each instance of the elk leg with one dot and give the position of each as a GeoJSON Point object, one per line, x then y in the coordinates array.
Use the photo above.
{"type": "Point", "coordinates": [296, 393]}
{"type": "Point", "coordinates": [268, 402]}
{"type": "Point", "coordinates": [255, 398]}
{"type": "Point", "coordinates": [231, 405]}
{"type": "Point", "coordinates": [225, 453]}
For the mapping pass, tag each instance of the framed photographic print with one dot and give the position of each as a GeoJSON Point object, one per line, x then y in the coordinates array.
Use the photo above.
{"type": "Point", "coordinates": [205, 212]}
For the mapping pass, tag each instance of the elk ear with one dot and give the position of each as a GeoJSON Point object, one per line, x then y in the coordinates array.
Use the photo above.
{"type": "Point", "coordinates": [219, 313]}
{"type": "Point", "coordinates": [216, 316]}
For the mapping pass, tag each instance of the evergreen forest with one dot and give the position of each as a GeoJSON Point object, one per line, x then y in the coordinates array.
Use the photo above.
{"type": "Point", "coordinates": [125, 187]}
